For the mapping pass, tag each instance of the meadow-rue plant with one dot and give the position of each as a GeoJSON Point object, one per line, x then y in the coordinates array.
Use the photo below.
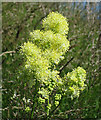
{"type": "Point", "coordinates": [44, 50]}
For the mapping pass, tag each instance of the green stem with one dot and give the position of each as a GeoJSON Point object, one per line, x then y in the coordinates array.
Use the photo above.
{"type": "Point", "coordinates": [34, 98]}
{"type": "Point", "coordinates": [48, 110]}
{"type": "Point", "coordinates": [52, 112]}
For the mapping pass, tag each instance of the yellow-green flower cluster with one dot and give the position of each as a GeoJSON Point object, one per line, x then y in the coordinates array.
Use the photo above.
{"type": "Point", "coordinates": [56, 22]}
{"type": "Point", "coordinates": [57, 99]}
{"type": "Point", "coordinates": [34, 62]}
{"type": "Point", "coordinates": [53, 46]}
{"type": "Point", "coordinates": [75, 81]}
{"type": "Point", "coordinates": [27, 109]}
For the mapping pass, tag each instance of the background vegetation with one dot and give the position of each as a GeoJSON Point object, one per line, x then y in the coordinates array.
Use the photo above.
{"type": "Point", "coordinates": [18, 20]}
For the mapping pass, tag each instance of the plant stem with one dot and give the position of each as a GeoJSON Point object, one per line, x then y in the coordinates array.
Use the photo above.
{"type": "Point", "coordinates": [34, 98]}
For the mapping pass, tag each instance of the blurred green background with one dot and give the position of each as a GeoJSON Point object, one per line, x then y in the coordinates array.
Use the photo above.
{"type": "Point", "coordinates": [19, 19]}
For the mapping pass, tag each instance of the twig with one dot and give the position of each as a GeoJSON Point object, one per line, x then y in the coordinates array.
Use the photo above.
{"type": "Point", "coordinates": [69, 111]}
{"type": "Point", "coordinates": [14, 107]}
{"type": "Point", "coordinates": [65, 65]}
{"type": "Point", "coordinates": [73, 38]}
{"type": "Point", "coordinates": [72, 47]}
{"type": "Point", "coordinates": [6, 53]}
